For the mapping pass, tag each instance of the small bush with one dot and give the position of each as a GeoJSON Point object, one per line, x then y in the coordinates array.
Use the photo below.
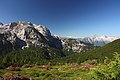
{"type": "Point", "coordinates": [109, 70]}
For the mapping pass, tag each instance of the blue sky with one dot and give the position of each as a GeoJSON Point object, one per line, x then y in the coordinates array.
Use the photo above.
{"type": "Point", "coordinates": [66, 17]}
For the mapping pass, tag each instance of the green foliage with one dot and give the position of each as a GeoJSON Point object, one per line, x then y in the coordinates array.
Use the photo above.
{"type": "Point", "coordinates": [90, 62]}
{"type": "Point", "coordinates": [109, 70]}
{"type": "Point", "coordinates": [93, 56]}
{"type": "Point", "coordinates": [101, 52]}
{"type": "Point", "coordinates": [56, 73]}
{"type": "Point", "coordinates": [41, 56]}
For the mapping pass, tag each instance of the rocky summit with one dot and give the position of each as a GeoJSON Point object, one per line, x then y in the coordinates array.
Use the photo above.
{"type": "Point", "coordinates": [76, 45]}
{"type": "Point", "coordinates": [25, 34]}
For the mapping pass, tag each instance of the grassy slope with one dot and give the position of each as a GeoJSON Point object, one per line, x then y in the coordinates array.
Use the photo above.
{"type": "Point", "coordinates": [102, 52]}
{"type": "Point", "coordinates": [98, 53]}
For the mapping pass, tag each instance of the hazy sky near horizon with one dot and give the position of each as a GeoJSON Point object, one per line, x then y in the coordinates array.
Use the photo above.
{"type": "Point", "coordinates": [66, 17]}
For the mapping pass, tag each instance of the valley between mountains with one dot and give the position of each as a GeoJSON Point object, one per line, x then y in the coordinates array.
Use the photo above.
{"type": "Point", "coordinates": [30, 52]}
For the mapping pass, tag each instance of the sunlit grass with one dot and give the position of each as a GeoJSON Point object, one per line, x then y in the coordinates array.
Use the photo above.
{"type": "Point", "coordinates": [64, 72]}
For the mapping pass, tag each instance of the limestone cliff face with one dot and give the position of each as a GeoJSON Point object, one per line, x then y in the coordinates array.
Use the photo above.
{"type": "Point", "coordinates": [75, 45]}
{"type": "Point", "coordinates": [43, 30]}
{"type": "Point", "coordinates": [52, 40]}
{"type": "Point", "coordinates": [25, 34]}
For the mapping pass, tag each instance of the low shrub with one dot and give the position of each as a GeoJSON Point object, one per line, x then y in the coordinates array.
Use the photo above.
{"type": "Point", "coordinates": [109, 70]}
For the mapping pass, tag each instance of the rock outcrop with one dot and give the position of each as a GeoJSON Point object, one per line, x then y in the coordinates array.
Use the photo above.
{"type": "Point", "coordinates": [25, 34]}
{"type": "Point", "coordinates": [75, 45]}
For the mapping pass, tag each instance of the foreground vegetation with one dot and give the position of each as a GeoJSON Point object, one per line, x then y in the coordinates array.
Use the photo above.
{"type": "Point", "coordinates": [64, 72]}
{"type": "Point", "coordinates": [98, 64]}
{"type": "Point", "coordinates": [43, 56]}
{"type": "Point", "coordinates": [109, 70]}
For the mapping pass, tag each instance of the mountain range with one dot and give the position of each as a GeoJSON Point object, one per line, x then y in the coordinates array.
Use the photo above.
{"type": "Point", "coordinates": [99, 40]}
{"type": "Point", "coordinates": [23, 34]}
{"type": "Point", "coordinates": [23, 42]}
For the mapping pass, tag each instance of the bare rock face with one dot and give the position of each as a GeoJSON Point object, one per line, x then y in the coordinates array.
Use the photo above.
{"type": "Point", "coordinates": [5, 45]}
{"type": "Point", "coordinates": [75, 45]}
{"type": "Point", "coordinates": [52, 40]}
{"type": "Point", "coordinates": [43, 30]}
{"type": "Point", "coordinates": [25, 34]}
{"type": "Point", "coordinates": [9, 41]}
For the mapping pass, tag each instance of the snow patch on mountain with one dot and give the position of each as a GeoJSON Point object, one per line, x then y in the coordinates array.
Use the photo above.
{"type": "Point", "coordinates": [99, 40]}
{"type": "Point", "coordinates": [25, 34]}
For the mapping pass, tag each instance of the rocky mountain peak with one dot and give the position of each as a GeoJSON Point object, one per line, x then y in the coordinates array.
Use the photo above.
{"type": "Point", "coordinates": [20, 24]}
{"type": "Point", "coordinates": [24, 34]}
{"type": "Point", "coordinates": [43, 30]}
